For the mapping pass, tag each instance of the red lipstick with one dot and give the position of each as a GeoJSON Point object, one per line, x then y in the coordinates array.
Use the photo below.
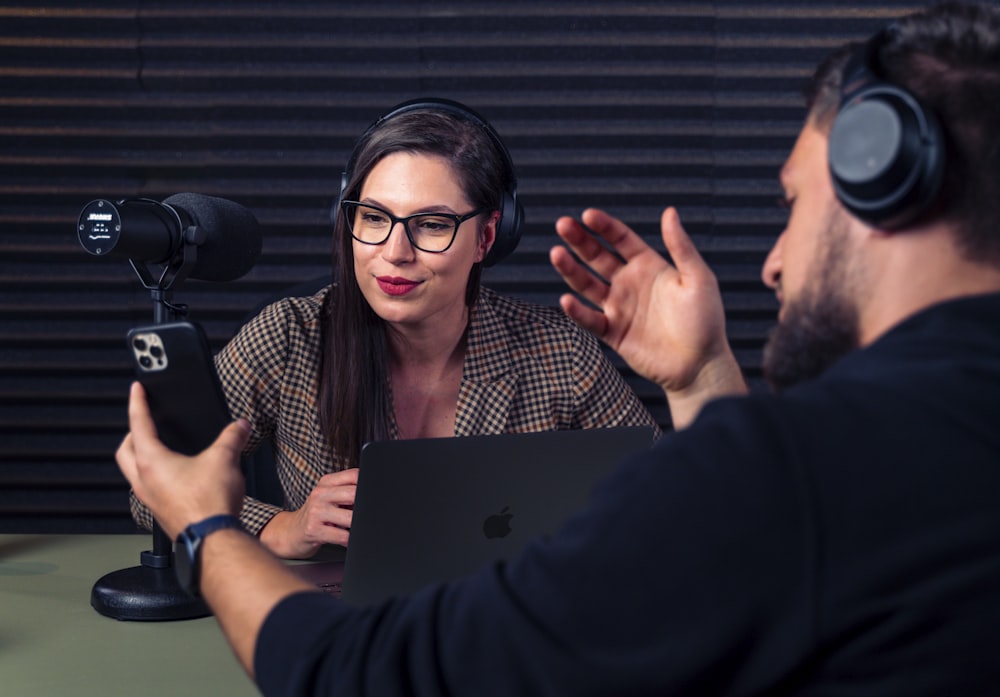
{"type": "Point", "coordinates": [395, 285]}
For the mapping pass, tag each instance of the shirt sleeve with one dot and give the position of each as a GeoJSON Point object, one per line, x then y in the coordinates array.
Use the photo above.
{"type": "Point", "coordinates": [692, 579]}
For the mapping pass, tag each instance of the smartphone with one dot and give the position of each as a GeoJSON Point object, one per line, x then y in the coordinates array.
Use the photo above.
{"type": "Point", "coordinates": [174, 364]}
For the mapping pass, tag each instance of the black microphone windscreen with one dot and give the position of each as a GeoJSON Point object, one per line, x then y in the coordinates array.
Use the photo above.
{"type": "Point", "coordinates": [233, 240]}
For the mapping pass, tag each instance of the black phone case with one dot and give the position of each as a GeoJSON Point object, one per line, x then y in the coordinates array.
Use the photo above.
{"type": "Point", "coordinates": [174, 364]}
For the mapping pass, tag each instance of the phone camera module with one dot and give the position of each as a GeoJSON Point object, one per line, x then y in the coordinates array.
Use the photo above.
{"type": "Point", "coordinates": [149, 352]}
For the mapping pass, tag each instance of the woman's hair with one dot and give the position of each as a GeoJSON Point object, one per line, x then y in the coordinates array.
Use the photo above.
{"type": "Point", "coordinates": [354, 397]}
{"type": "Point", "coordinates": [948, 57]}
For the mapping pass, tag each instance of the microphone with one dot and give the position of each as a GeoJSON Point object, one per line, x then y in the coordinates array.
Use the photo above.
{"type": "Point", "coordinates": [226, 234]}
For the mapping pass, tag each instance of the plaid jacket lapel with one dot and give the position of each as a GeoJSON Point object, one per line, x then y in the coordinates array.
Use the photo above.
{"type": "Point", "coordinates": [489, 381]}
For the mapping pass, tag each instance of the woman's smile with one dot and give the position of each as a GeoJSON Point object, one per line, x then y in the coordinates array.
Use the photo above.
{"type": "Point", "coordinates": [396, 285]}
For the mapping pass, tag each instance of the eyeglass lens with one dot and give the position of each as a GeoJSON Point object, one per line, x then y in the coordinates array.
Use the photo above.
{"type": "Point", "coordinates": [428, 231]}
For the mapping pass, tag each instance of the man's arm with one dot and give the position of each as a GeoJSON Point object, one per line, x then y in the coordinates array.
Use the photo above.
{"type": "Point", "coordinates": [545, 622]}
{"type": "Point", "coordinates": [263, 583]}
{"type": "Point", "coordinates": [183, 490]}
{"type": "Point", "coordinates": [666, 321]}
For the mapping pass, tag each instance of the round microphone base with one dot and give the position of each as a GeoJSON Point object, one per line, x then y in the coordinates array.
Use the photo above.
{"type": "Point", "coordinates": [145, 593]}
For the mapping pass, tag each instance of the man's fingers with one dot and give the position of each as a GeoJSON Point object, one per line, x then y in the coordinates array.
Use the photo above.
{"type": "Point", "coordinates": [620, 236]}
{"type": "Point", "coordinates": [687, 259]}
{"type": "Point", "coordinates": [144, 442]}
{"type": "Point", "coordinates": [587, 248]}
{"type": "Point", "coordinates": [590, 319]}
{"type": "Point", "coordinates": [142, 430]}
{"type": "Point", "coordinates": [577, 276]}
{"type": "Point", "coordinates": [125, 456]}
{"type": "Point", "coordinates": [140, 421]}
{"type": "Point", "coordinates": [234, 437]}
{"type": "Point", "coordinates": [606, 247]}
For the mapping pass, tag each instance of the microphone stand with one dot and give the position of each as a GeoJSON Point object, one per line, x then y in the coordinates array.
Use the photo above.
{"type": "Point", "coordinates": [151, 590]}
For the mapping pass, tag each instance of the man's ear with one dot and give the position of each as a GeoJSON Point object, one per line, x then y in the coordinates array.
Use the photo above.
{"type": "Point", "coordinates": [488, 236]}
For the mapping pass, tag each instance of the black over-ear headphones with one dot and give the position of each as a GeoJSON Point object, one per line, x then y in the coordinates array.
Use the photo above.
{"type": "Point", "coordinates": [886, 150]}
{"type": "Point", "coordinates": [511, 222]}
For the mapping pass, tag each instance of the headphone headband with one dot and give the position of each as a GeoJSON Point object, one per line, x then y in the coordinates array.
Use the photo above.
{"type": "Point", "coordinates": [511, 222]}
{"type": "Point", "coordinates": [862, 67]}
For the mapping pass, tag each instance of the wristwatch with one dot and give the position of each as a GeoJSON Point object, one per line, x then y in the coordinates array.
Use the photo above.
{"type": "Point", "coordinates": [187, 549]}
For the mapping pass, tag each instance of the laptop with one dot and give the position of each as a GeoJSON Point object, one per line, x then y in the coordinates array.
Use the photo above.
{"type": "Point", "coordinates": [433, 509]}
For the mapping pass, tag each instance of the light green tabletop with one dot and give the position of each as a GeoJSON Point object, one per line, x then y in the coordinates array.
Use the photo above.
{"type": "Point", "coordinates": [54, 644]}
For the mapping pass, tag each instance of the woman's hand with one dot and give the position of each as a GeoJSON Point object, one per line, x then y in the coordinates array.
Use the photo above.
{"type": "Point", "coordinates": [325, 518]}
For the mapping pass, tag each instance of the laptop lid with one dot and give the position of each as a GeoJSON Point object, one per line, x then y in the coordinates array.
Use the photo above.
{"type": "Point", "coordinates": [432, 509]}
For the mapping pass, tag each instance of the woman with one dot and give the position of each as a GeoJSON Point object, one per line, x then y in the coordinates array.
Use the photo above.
{"type": "Point", "coordinates": [407, 345]}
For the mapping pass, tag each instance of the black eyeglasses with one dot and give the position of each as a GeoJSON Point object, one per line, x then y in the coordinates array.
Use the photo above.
{"type": "Point", "coordinates": [428, 232]}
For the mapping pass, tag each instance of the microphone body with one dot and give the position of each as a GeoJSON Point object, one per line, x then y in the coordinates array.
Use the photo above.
{"type": "Point", "coordinates": [226, 235]}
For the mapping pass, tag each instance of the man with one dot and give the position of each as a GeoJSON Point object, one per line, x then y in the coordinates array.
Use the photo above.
{"type": "Point", "coordinates": [839, 537]}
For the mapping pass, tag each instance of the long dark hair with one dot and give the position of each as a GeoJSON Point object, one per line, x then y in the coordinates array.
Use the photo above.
{"type": "Point", "coordinates": [354, 397]}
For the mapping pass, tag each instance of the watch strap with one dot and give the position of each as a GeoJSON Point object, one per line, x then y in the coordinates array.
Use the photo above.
{"type": "Point", "coordinates": [212, 524]}
{"type": "Point", "coordinates": [187, 548]}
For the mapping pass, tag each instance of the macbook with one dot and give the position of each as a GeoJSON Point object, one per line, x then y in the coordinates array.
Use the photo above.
{"type": "Point", "coordinates": [433, 509]}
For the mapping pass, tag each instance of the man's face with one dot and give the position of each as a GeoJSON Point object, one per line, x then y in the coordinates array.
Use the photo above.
{"type": "Point", "coordinates": [813, 269]}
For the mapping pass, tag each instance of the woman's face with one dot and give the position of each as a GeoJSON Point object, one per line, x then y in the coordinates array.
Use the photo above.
{"type": "Point", "coordinates": [404, 285]}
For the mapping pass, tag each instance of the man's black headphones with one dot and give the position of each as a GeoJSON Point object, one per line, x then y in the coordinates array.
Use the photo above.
{"type": "Point", "coordinates": [886, 150]}
{"type": "Point", "coordinates": [511, 222]}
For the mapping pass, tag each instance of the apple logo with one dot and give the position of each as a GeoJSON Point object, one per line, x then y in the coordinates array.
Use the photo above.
{"type": "Point", "coordinates": [498, 524]}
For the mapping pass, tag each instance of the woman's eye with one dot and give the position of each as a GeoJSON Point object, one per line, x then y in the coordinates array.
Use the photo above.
{"type": "Point", "coordinates": [434, 225]}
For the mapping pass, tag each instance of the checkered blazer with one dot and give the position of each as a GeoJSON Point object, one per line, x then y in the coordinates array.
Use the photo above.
{"type": "Point", "coordinates": [527, 368]}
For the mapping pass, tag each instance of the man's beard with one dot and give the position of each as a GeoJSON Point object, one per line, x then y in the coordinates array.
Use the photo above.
{"type": "Point", "coordinates": [818, 328]}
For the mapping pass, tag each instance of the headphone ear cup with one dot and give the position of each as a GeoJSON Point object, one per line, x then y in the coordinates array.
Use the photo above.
{"type": "Point", "coordinates": [509, 228]}
{"type": "Point", "coordinates": [886, 156]}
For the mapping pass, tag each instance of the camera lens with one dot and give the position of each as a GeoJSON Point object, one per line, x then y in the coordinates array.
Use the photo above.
{"type": "Point", "coordinates": [145, 361]}
{"type": "Point", "coordinates": [155, 351]}
{"type": "Point", "coordinates": [140, 344]}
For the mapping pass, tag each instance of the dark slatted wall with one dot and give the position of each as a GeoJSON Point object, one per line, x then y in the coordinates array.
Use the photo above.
{"type": "Point", "coordinates": [628, 106]}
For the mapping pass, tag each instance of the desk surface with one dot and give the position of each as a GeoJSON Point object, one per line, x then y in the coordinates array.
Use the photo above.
{"type": "Point", "coordinates": [53, 643]}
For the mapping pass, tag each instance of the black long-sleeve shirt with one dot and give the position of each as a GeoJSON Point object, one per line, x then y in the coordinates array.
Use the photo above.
{"type": "Point", "coordinates": [841, 538]}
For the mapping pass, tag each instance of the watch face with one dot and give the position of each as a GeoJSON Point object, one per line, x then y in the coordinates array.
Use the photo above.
{"type": "Point", "coordinates": [188, 546]}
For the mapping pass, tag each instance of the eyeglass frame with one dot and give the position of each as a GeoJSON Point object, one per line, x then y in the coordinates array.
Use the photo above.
{"type": "Point", "coordinates": [405, 220]}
